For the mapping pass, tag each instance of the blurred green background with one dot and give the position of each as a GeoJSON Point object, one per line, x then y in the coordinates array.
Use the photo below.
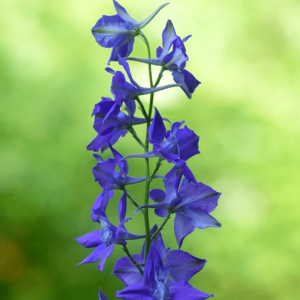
{"type": "Point", "coordinates": [246, 111]}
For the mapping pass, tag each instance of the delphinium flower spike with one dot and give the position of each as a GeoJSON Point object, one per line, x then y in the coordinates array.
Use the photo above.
{"type": "Point", "coordinates": [157, 273]}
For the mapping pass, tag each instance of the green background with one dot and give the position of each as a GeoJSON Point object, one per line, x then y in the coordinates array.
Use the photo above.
{"type": "Point", "coordinates": [246, 112]}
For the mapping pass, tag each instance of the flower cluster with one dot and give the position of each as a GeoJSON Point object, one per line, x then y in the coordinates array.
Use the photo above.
{"type": "Point", "coordinates": [158, 273]}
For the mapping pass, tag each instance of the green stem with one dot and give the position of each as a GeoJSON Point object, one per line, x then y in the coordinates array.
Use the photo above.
{"type": "Point", "coordinates": [161, 226]}
{"type": "Point", "coordinates": [142, 108]}
{"type": "Point", "coordinates": [135, 136]}
{"type": "Point", "coordinates": [134, 202]}
{"type": "Point", "coordinates": [146, 149]}
{"type": "Point", "coordinates": [132, 259]}
{"type": "Point", "coordinates": [159, 76]}
{"type": "Point", "coordinates": [156, 168]}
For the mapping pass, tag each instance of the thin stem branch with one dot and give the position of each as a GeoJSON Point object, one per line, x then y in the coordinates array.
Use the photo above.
{"type": "Point", "coordinates": [156, 168]}
{"type": "Point", "coordinates": [142, 108]}
{"type": "Point", "coordinates": [161, 226]}
{"type": "Point", "coordinates": [135, 136]}
{"type": "Point", "coordinates": [159, 76]}
{"type": "Point", "coordinates": [132, 259]}
{"type": "Point", "coordinates": [134, 202]}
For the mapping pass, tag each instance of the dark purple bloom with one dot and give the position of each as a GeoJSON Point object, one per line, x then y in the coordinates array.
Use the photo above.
{"type": "Point", "coordinates": [118, 31]}
{"type": "Point", "coordinates": [192, 203]}
{"type": "Point", "coordinates": [175, 60]}
{"type": "Point", "coordinates": [156, 284]}
{"type": "Point", "coordinates": [110, 124]}
{"type": "Point", "coordinates": [179, 145]}
{"type": "Point", "coordinates": [177, 264]}
{"type": "Point", "coordinates": [103, 240]}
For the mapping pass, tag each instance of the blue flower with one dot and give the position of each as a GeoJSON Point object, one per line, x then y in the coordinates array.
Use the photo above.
{"type": "Point", "coordinates": [177, 264]}
{"type": "Point", "coordinates": [179, 145]}
{"type": "Point", "coordinates": [118, 31]}
{"type": "Point", "coordinates": [156, 284]}
{"type": "Point", "coordinates": [192, 203]}
{"type": "Point", "coordinates": [103, 240]}
{"type": "Point", "coordinates": [110, 124]}
{"type": "Point", "coordinates": [104, 172]}
{"type": "Point", "coordinates": [123, 90]}
{"type": "Point", "coordinates": [175, 61]}
{"type": "Point", "coordinates": [102, 201]}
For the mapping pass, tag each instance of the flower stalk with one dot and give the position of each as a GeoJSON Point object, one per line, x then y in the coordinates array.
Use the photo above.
{"type": "Point", "coordinates": [156, 272]}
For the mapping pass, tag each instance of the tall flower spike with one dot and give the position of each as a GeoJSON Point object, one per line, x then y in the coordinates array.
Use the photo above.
{"type": "Point", "coordinates": [118, 31]}
{"type": "Point", "coordinates": [174, 61]}
{"type": "Point", "coordinates": [191, 202]}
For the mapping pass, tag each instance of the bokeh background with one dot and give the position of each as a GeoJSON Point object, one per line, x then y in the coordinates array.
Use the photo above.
{"type": "Point", "coordinates": [246, 111]}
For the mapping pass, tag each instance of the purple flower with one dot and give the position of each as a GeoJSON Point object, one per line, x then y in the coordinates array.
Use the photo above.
{"type": "Point", "coordinates": [156, 284]}
{"type": "Point", "coordinates": [110, 124]}
{"type": "Point", "coordinates": [124, 91]}
{"type": "Point", "coordinates": [104, 172]}
{"type": "Point", "coordinates": [118, 31]}
{"type": "Point", "coordinates": [102, 201]}
{"type": "Point", "coordinates": [179, 145]}
{"type": "Point", "coordinates": [187, 81]}
{"type": "Point", "coordinates": [175, 60]}
{"type": "Point", "coordinates": [103, 240]}
{"type": "Point", "coordinates": [177, 264]}
{"type": "Point", "coordinates": [192, 204]}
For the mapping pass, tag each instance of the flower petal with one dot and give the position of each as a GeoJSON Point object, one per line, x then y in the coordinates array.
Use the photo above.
{"type": "Point", "coordinates": [157, 195]}
{"type": "Point", "coordinates": [101, 202]}
{"type": "Point", "coordinates": [124, 49]}
{"type": "Point", "coordinates": [122, 206]}
{"type": "Point", "coordinates": [125, 270]}
{"type": "Point", "coordinates": [183, 290]}
{"type": "Point", "coordinates": [106, 255]}
{"type": "Point", "coordinates": [201, 219]}
{"type": "Point", "coordinates": [187, 81]}
{"type": "Point", "coordinates": [198, 195]}
{"type": "Point", "coordinates": [143, 23]}
{"type": "Point", "coordinates": [157, 129]}
{"type": "Point", "coordinates": [123, 13]}
{"type": "Point", "coordinates": [138, 291]}
{"type": "Point", "coordinates": [182, 265]}
{"type": "Point", "coordinates": [90, 240]}
{"type": "Point", "coordinates": [95, 255]}
{"type": "Point", "coordinates": [125, 65]}
{"type": "Point", "coordinates": [101, 295]}
{"type": "Point", "coordinates": [168, 36]}
{"type": "Point", "coordinates": [112, 30]}
{"type": "Point", "coordinates": [182, 228]}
